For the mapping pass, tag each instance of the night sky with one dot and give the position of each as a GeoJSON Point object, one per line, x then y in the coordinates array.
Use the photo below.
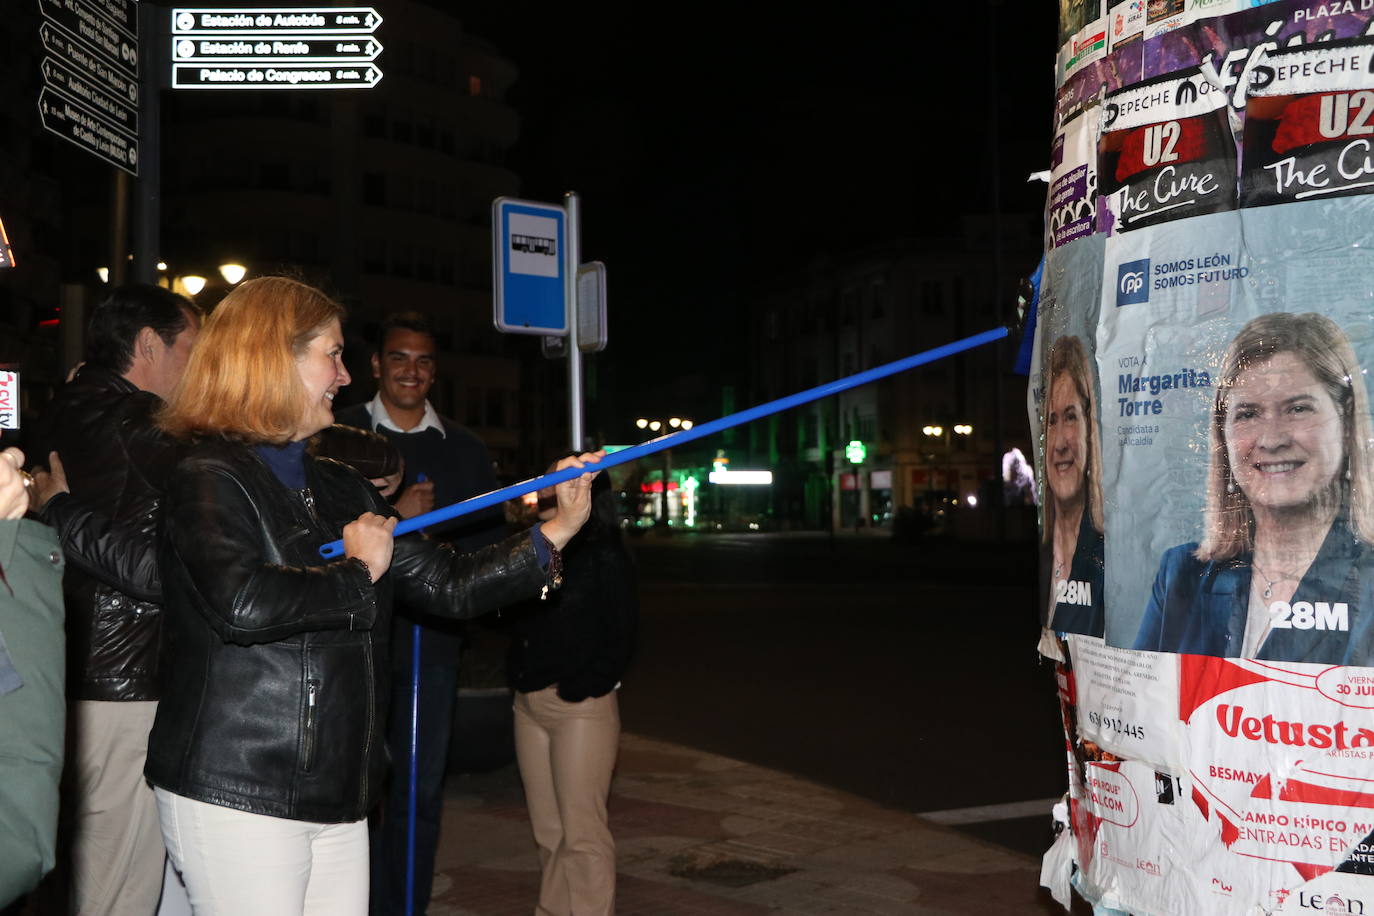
{"type": "Point", "coordinates": [725, 147]}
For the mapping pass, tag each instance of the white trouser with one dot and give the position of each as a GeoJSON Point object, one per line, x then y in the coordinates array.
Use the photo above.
{"type": "Point", "coordinates": [237, 863]}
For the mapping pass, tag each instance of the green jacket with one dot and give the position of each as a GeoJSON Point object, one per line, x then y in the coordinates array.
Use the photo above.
{"type": "Point", "coordinates": [32, 708]}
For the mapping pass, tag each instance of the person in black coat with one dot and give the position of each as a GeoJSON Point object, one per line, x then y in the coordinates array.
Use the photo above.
{"type": "Point", "coordinates": [266, 753]}
{"type": "Point", "coordinates": [566, 662]}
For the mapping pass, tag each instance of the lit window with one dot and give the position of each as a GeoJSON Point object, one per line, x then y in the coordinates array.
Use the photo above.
{"type": "Point", "coordinates": [474, 86]}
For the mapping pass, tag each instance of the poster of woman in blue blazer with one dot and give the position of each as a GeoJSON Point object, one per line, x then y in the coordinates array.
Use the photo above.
{"type": "Point", "coordinates": [1285, 567]}
{"type": "Point", "coordinates": [1072, 464]}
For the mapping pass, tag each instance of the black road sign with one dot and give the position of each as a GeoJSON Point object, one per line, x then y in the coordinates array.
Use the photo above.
{"type": "Point", "coordinates": [357, 20]}
{"type": "Point", "coordinates": [274, 76]}
{"type": "Point", "coordinates": [81, 18]}
{"type": "Point", "coordinates": [87, 129]}
{"type": "Point", "coordinates": [272, 49]}
{"type": "Point", "coordinates": [84, 58]}
{"type": "Point", "coordinates": [123, 13]}
{"type": "Point", "coordinates": [78, 87]}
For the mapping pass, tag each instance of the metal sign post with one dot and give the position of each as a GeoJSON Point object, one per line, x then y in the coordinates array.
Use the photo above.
{"type": "Point", "coordinates": [541, 287]}
{"type": "Point", "coordinates": [573, 257]}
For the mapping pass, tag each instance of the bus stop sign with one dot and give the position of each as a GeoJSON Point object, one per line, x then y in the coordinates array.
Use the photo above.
{"type": "Point", "coordinates": [528, 272]}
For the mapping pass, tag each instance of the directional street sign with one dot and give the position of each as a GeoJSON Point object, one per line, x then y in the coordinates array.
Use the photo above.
{"type": "Point", "coordinates": [87, 129]}
{"type": "Point", "coordinates": [279, 76]}
{"type": "Point", "coordinates": [327, 47]}
{"type": "Point", "coordinates": [277, 49]}
{"type": "Point", "coordinates": [90, 76]}
{"type": "Point", "coordinates": [67, 48]}
{"type": "Point", "coordinates": [356, 20]}
{"type": "Point", "coordinates": [123, 13]}
{"type": "Point", "coordinates": [88, 20]}
{"type": "Point", "coordinates": [76, 86]}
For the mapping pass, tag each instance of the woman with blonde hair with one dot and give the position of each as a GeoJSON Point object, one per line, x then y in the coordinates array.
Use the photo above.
{"type": "Point", "coordinates": [1072, 457]}
{"type": "Point", "coordinates": [267, 749]}
{"type": "Point", "coordinates": [1284, 570]}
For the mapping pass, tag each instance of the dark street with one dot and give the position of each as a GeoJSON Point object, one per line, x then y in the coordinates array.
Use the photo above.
{"type": "Point", "coordinates": [851, 666]}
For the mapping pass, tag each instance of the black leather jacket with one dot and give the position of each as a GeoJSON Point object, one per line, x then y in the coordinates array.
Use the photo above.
{"type": "Point", "coordinates": [275, 667]}
{"type": "Point", "coordinates": [102, 427]}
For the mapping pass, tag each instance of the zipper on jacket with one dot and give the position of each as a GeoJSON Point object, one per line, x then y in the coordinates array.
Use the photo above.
{"type": "Point", "coordinates": [310, 503]}
{"type": "Point", "coordinates": [312, 699]}
{"type": "Point", "coordinates": [371, 715]}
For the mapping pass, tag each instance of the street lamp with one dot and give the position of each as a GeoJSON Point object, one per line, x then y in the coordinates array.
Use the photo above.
{"type": "Point", "coordinates": [674, 424]}
{"type": "Point", "coordinates": [232, 273]}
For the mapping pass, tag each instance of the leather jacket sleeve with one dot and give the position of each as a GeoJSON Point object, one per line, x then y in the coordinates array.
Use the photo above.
{"type": "Point", "coordinates": [250, 591]}
{"type": "Point", "coordinates": [123, 555]}
{"type": "Point", "coordinates": [437, 579]}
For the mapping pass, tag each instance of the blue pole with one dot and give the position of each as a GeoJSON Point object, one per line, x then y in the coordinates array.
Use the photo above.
{"type": "Point", "coordinates": [635, 452]}
{"type": "Point", "coordinates": [414, 765]}
{"type": "Point", "coordinates": [414, 756]}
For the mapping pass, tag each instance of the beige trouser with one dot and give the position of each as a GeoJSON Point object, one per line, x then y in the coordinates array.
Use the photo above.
{"type": "Point", "coordinates": [117, 853]}
{"type": "Point", "coordinates": [566, 753]}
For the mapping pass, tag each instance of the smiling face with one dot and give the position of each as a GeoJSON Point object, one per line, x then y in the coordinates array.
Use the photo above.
{"type": "Point", "coordinates": [322, 375]}
{"type": "Point", "coordinates": [1066, 441]}
{"type": "Point", "coordinates": [1284, 434]}
{"type": "Point", "coordinates": [404, 369]}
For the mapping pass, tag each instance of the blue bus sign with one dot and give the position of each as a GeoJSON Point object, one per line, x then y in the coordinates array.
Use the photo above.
{"type": "Point", "coordinates": [529, 276]}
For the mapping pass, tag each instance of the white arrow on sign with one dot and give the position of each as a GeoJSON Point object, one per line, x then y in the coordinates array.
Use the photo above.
{"type": "Point", "coordinates": [268, 48]}
{"type": "Point", "coordinates": [295, 75]}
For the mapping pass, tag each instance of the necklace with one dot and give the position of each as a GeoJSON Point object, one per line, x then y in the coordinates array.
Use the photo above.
{"type": "Point", "coordinates": [1269, 588]}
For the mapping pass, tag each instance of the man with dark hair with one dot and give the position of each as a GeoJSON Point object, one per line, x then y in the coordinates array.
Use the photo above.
{"type": "Point", "coordinates": [101, 427]}
{"type": "Point", "coordinates": [444, 463]}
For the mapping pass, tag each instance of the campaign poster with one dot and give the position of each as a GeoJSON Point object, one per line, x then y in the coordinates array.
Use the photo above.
{"type": "Point", "coordinates": [1241, 380]}
{"type": "Point", "coordinates": [1065, 418]}
{"type": "Point", "coordinates": [1167, 302]}
{"type": "Point", "coordinates": [1072, 208]}
{"type": "Point", "coordinates": [1167, 151]}
{"type": "Point", "coordinates": [1309, 124]}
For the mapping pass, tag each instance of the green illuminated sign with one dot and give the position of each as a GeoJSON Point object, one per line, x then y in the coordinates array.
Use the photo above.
{"type": "Point", "coordinates": [855, 451]}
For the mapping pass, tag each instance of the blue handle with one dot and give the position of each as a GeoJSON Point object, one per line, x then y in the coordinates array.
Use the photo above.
{"type": "Point", "coordinates": [635, 452]}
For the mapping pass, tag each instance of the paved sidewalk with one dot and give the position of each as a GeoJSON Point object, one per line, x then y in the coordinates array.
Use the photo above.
{"type": "Point", "coordinates": [699, 833]}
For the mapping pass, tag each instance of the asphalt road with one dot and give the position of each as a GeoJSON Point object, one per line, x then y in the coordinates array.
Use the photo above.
{"type": "Point", "coordinates": [902, 673]}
